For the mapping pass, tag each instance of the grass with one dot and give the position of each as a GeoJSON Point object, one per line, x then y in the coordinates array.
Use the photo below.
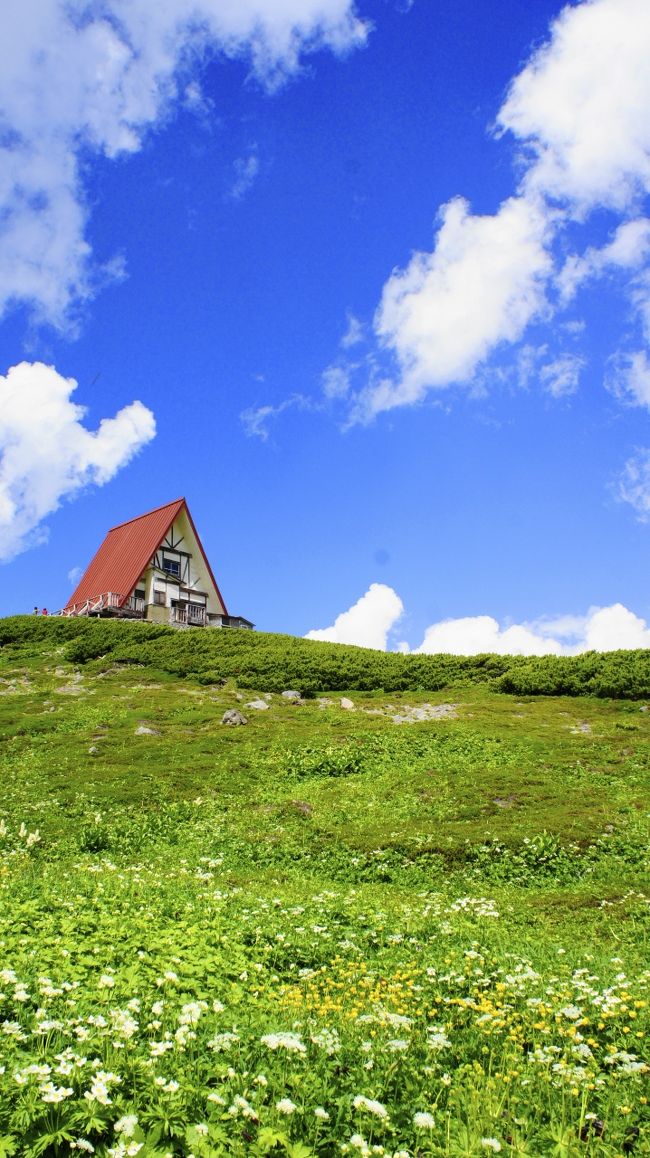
{"type": "Point", "coordinates": [321, 933]}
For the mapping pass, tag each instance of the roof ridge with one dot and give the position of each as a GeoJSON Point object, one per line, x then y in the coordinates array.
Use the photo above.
{"type": "Point", "coordinates": [137, 518]}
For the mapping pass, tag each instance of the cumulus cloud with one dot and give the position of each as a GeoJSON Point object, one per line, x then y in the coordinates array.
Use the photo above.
{"type": "Point", "coordinates": [79, 77]}
{"type": "Point", "coordinates": [46, 454]}
{"type": "Point", "coordinates": [368, 622]}
{"type": "Point", "coordinates": [475, 634]}
{"type": "Point", "coordinates": [602, 629]}
{"type": "Point", "coordinates": [584, 145]}
{"type": "Point", "coordinates": [580, 107]}
{"type": "Point", "coordinates": [629, 249]}
{"type": "Point", "coordinates": [448, 309]}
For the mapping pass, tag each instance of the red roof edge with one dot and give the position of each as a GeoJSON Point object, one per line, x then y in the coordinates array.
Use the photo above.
{"type": "Point", "coordinates": [205, 557]}
{"type": "Point", "coordinates": [136, 518]}
{"type": "Point", "coordinates": [175, 512]}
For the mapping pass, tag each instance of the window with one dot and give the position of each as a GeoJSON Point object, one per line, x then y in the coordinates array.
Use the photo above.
{"type": "Point", "coordinates": [171, 566]}
{"type": "Point", "coordinates": [159, 597]}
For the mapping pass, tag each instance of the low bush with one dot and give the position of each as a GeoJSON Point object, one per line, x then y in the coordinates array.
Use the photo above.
{"type": "Point", "coordinates": [275, 662]}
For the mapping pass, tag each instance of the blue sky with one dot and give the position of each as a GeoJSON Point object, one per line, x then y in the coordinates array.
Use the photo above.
{"type": "Point", "coordinates": [369, 285]}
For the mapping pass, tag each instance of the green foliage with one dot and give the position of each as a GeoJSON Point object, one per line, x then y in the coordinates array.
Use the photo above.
{"type": "Point", "coordinates": [324, 933]}
{"type": "Point", "coordinates": [275, 662]}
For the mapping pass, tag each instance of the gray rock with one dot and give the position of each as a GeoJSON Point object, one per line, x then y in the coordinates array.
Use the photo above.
{"type": "Point", "coordinates": [259, 705]}
{"type": "Point", "coordinates": [145, 730]}
{"type": "Point", "coordinates": [346, 704]}
{"type": "Point", "coordinates": [93, 750]}
{"type": "Point", "coordinates": [233, 717]}
{"type": "Point", "coordinates": [291, 695]}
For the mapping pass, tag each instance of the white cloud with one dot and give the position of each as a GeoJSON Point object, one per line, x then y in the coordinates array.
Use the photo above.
{"type": "Point", "coordinates": [476, 634]}
{"type": "Point", "coordinates": [578, 111]}
{"type": "Point", "coordinates": [611, 628]}
{"type": "Point", "coordinates": [46, 454]}
{"type": "Point", "coordinates": [256, 419]}
{"type": "Point", "coordinates": [580, 106]}
{"type": "Point", "coordinates": [629, 378]}
{"type": "Point", "coordinates": [448, 309]}
{"type": "Point", "coordinates": [354, 334]}
{"type": "Point", "coordinates": [79, 77]}
{"type": "Point", "coordinates": [634, 484]}
{"type": "Point", "coordinates": [629, 249]}
{"type": "Point", "coordinates": [601, 629]}
{"type": "Point", "coordinates": [74, 575]}
{"type": "Point", "coordinates": [336, 381]}
{"type": "Point", "coordinates": [562, 376]}
{"type": "Point", "coordinates": [246, 170]}
{"type": "Point", "coordinates": [368, 622]}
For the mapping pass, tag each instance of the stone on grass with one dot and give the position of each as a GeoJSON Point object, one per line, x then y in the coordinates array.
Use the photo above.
{"type": "Point", "coordinates": [145, 730]}
{"type": "Point", "coordinates": [346, 704]}
{"type": "Point", "coordinates": [291, 695]}
{"type": "Point", "coordinates": [233, 718]}
{"type": "Point", "coordinates": [259, 705]}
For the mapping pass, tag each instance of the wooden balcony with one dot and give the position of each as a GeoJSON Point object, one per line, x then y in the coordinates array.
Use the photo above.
{"type": "Point", "coordinates": [190, 616]}
{"type": "Point", "coordinates": [108, 604]}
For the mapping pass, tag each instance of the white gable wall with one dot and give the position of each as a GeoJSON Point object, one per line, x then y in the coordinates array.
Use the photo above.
{"type": "Point", "coordinates": [193, 583]}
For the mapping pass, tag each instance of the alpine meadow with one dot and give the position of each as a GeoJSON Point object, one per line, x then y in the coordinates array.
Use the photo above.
{"type": "Point", "coordinates": [402, 911]}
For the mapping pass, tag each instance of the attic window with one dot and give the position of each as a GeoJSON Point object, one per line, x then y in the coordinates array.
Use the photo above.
{"type": "Point", "coordinates": [171, 566]}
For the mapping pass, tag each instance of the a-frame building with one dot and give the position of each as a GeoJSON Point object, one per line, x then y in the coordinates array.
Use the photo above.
{"type": "Point", "coordinates": [154, 567]}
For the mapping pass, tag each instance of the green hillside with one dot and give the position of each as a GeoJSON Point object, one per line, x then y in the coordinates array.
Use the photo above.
{"type": "Point", "coordinates": [412, 925]}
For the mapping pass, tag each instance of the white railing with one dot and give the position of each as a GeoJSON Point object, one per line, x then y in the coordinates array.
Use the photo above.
{"type": "Point", "coordinates": [109, 600]}
{"type": "Point", "coordinates": [190, 616]}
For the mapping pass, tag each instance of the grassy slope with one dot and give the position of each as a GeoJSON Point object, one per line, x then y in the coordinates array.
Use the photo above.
{"type": "Point", "coordinates": [538, 803]}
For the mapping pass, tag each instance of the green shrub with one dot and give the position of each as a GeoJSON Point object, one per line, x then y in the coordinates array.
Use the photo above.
{"type": "Point", "coordinates": [267, 662]}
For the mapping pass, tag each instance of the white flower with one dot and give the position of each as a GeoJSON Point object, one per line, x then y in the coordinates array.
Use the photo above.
{"type": "Point", "coordinates": [126, 1125]}
{"type": "Point", "coordinates": [201, 1128]}
{"type": "Point", "coordinates": [289, 1041]}
{"type": "Point", "coordinates": [222, 1042]}
{"type": "Point", "coordinates": [362, 1103]}
{"type": "Point", "coordinates": [321, 1113]}
{"type": "Point", "coordinates": [423, 1121]}
{"type": "Point", "coordinates": [327, 1039]}
{"type": "Point", "coordinates": [286, 1106]}
{"type": "Point", "coordinates": [437, 1038]}
{"type": "Point", "coordinates": [491, 1144]}
{"type": "Point", "coordinates": [51, 1093]}
{"type": "Point", "coordinates": [106, 981]}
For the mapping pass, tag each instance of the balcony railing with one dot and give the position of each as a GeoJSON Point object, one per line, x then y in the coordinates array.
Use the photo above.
{"type": "Point", "coordinates": [191, 616]}
{"type": "Point", "coordinates": [108, 601]}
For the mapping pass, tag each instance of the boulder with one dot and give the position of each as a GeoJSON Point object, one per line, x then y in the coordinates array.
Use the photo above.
{"type": "Point", "coordinates": [346, 704]}
{"type": "Point", "coordinates": [233, 718]}
{"type": "Point", "coordinates": [291, 695]}
{"type": "Point", "coordinates": [145, 730]}
{"type": "Point", "coordinates": [259, 705]}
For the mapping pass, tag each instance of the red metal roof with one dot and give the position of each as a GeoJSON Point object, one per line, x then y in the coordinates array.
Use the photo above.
{"type": "Point", "coordinates": [126, 553]}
